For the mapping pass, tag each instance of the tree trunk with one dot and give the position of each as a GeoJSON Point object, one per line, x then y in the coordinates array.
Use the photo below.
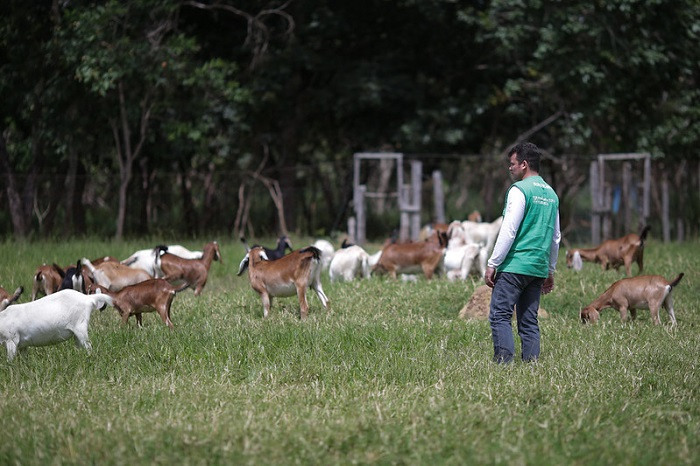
{"type": "Point", "coordinates": [20, 216]}
{"type": "Point", "coordinates": [190, 219]}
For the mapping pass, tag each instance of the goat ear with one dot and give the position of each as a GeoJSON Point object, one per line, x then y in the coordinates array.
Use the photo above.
{"type": "Point", "coordinates": [243, 265]}
{"type": "Point", "coordinates": [263, 255]}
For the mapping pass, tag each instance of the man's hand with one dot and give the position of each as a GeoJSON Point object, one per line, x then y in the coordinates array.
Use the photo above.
{"type": "Point", "coordinates": [548, 284]}
{"type": "Point", "coordinates": [490, 276]}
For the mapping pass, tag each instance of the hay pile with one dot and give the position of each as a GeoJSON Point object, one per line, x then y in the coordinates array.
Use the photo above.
{"type": "Point", "coordinates": [478, 305]}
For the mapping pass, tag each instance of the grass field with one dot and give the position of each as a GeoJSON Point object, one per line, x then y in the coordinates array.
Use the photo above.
{"type": "Point", "coordinates": [390, 375]}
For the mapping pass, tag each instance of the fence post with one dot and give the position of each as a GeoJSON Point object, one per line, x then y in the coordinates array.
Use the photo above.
{"type": "Point", "coordinates": [438, 197]}
{"type": "Point", "coordinates": [595, 198]}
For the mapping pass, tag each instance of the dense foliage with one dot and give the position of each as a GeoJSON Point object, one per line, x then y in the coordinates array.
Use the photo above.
{"type": "Point", "coordinates": [128, 117]}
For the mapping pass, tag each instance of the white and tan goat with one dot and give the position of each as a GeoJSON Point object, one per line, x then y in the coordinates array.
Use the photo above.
{"type": "Point", "coordinates": [349, 263]}
{"type": "Point", "coordinates": [49, 320]}
{"type": "Point", "coordinates": [113, 275]}
{"type": "Point", "coordinates": [194, 272]}
{"type": "Point", "coordinates": [629, 294]}
{"type": "Point", "coordinates": [6, 298]}
{"type": "Point", "coordinates": [612, 253]}
{"type": "Point", "coordinates": [149, 259]}
{"type": "Point", "coordinates": [286, 276]}
{"type": "Point", "coordinates": [413, 257]}
{"type": "Point", "coordinates": [151, 295]}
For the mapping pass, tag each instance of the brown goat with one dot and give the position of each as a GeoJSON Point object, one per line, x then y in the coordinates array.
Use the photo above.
{"type": "Point", "coordinates": [290, 274]}
{"type": "Point", "coordinates": [151, 295]}
{"type": "Point", "coordinates": [47, 280]}
{"type": "Point", "coordinates": [413, 257]}
{"type": "Point", "coordinates": [114, 275]}
{"type": "Point", "coordinates": [612, 253]}
{"type": "Point", "coordinates": [6, 299]}
{"type": "Point", "coordinates": [643, 292]}
{"type": "Point", "coordinates": [192, 271]}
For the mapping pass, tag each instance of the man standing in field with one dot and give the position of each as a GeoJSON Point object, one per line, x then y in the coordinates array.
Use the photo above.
{"type": "Point", "coordinates": [524, 256]}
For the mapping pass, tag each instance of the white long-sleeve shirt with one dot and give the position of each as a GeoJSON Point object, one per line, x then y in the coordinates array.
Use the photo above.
{"type": "Point", "coordinates": [513, 217]}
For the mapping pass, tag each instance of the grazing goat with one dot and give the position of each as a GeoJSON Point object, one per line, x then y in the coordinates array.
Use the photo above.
{"type": "Point", "coordinates": [155, 294]}
{"type": "Point", "coordinates": [349, 263]}
{"type": "Point", "coordinates": [149, 259]}
{"type": "Point", "coordinates": [47, 280]}
{"type": "Point", "coordinates": [412, 257]}
{"type": "Point", "coordinates": [192, 271]}
{"type": "Point", "coordinates": [459, 260]}
{"type": "Point", "coordinates": [612, 253]}
{"type": "Point", "coordinates": [291, 274]}
{"type": "Point", "coordinates": [642, 292]}
{"type": "Point", "coordinates": [6, 299]}
{"type": "Point", "coordinates": [74, 278]}
{"type": "Point", "coordinates": [327, 252]}
{"type": "Point", "coordinates": [49, 320]}
{"type": "Point", "coordinates": [114, 275]}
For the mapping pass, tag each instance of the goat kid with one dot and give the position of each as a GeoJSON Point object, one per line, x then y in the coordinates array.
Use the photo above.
{"type": "Point", "coordinates": [612, 253]}
{"type": "Point", "coordinates": [194, 272]}
{"type": "Point", "coordinates": [412, 257]}
{"type": "Point", "coordinates": [6, 299]}
{"type": "Point", "coordinates": [49, 320]}
{"type": "Point", "coordinates": [293, 273]}
{"type": "Point", "coordinates": [151, 295]}
{"type": "Point", "coordinates": [629, 294]}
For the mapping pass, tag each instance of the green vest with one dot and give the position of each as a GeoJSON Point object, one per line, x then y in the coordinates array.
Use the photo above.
{"type": "Point", "coordinates": [529, 254]}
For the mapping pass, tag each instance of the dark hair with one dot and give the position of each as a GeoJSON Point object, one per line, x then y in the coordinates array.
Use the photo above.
{"type": "Point", "coordinates": [527, 151]}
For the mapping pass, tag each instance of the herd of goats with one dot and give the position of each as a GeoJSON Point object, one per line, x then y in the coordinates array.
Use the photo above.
{"type": "Point", "coordinates": [149, 279]}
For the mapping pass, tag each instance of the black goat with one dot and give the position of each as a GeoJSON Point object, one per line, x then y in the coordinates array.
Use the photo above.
{"type": "Point", "coordinates": [283, 244]}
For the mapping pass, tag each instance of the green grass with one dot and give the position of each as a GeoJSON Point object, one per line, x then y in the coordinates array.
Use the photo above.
{"type": "Point", "coordinates": [390, 375]}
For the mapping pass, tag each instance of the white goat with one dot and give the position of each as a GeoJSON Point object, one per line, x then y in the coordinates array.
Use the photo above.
{"type": "Point", "coordinates": [459, 261]}
{"type": "Point", "coordinates": [467, 232]}
{"type": "Point", "coordinates": [349, 263]}
{"type": "Point", "coordinates": [49, 320]}
{"type": "Point", "coordinates": [327, 252]}
{"type": "Point", "coordinates": [291, 274]}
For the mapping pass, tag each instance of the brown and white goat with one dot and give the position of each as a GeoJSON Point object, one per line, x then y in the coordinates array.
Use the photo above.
{"type": "Point", "coordinates": [6, 298]}
{"type": "Point", "coordinates": [192, 271]}
{"type": "Point", "coordinates": [290, 274]}
{"type": "Point", "coordinates": [413, 257]}
{"type": "Point", "coordinates": [612, 253]}
{"type": "Point", "coordinates": [629, 294]}
{"type": "Point", "coordinates": [113, 275]}
{"type": "Point", "coordinates": [47, 280]}
{"type": "Point", "coordinates": [151, 295]}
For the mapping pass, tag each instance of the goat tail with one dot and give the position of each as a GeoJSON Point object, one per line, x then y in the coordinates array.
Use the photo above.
{"type": "Point", "coordinates": [315, 252]}
{"type": "Point", "coordinates": [101, 300]}
{"type": "Point", "coordinates": [643, 234]}
{"type": "Point", "coordinates": [677, 280]}
{"type": "Point", "coordinates": [183, 287]}
{"type": "Point", "coordinates": [15, 296]}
